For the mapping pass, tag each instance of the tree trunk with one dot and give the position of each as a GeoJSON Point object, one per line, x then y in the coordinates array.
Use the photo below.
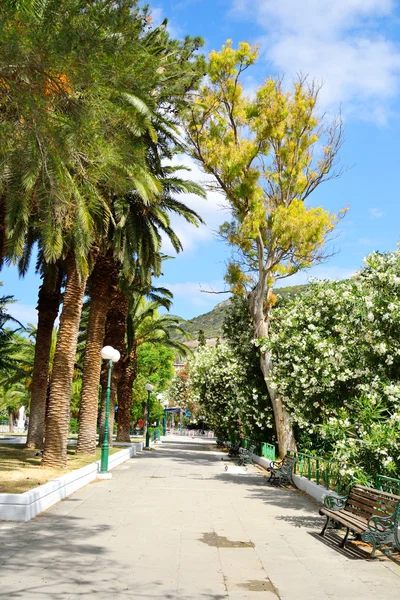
{"type": "Point", "coordinates": [145, 418]}
{"type": "Point", "coordinates": [3, 228]}
{"type": "Point", "coordinates": [115, 337]}
{"type": "Point", "coordinates": [48, 305]}
{"type": "Point", "coordinates": [128, 376]}
{"type": "Point", "coordinates": [101, 282]}
{"type": "Point", "coordinates": [56, 434]}
{"type": "Point", "coordinates": [11, 421]}
{"type": "Point", "coordinates": [283, 426]}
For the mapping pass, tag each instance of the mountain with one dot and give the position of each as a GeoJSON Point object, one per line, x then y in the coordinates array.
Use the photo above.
{"type": "Point", "coordinates": [212, 321]}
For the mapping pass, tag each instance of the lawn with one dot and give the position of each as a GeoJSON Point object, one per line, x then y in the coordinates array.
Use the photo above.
{"type": "Point", "coordinates": [20, 469]}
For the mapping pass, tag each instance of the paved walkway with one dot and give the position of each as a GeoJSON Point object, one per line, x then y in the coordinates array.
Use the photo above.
{"type": "Point", "coordinates": [172, 524]}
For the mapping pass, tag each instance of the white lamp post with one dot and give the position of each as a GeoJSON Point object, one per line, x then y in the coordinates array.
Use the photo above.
{"type": "Point", "coordinates": [112, 356]}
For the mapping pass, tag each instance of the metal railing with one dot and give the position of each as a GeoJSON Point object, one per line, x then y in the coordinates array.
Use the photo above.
{"type": "Point", "coordinates": [267, 451]}
{"type": "Point", "coordinates": [318, 469]}
{"type": "Point", "coordinates": [262, 449]}
{"type": "Point", "coordinates": [388, 484]}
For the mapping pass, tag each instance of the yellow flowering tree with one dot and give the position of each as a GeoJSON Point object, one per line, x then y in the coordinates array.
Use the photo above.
{"type": "Point", "coordinates": [267, 153]}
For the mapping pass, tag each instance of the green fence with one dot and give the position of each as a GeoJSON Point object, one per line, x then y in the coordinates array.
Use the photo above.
{"type": "Point", "coordinates": [262, 448]}
{"type": "Point", "coordinates": [327, 473]}
{"type": "Point", "coordinates": [267, 451]}
{"type": "Point", "coordinates": [388, 484]}
{"type": "Point", "coordinates": [318, 469]}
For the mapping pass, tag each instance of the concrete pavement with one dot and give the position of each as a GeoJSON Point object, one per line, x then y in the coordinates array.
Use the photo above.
{"type": "Point", "coordinates": [173, 524]}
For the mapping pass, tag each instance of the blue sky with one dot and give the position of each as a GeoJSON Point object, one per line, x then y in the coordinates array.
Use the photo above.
{"type": "Point", "coordinates": [353, 46]}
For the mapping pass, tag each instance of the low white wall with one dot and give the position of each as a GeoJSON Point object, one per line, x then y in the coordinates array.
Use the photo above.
{"type": "Point", "coordinates": [318, 492]}
{"type": "Point", "coordinates": [263, 462]}
{"type": "Point", "coordinates": [22, 507]}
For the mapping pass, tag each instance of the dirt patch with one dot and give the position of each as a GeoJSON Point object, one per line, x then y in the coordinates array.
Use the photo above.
{"type": "Point", "coordinates": [21, 470]}
{"type": "Point", "coordinates": [218, 541]}
{"type": "Point", "coordinates": [255, 585]}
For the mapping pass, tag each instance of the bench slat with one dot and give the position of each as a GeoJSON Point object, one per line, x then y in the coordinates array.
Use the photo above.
{"type": "Point", "coordinates": [369, 503]}
{"type": "Point", "coordinates": [368, 508]}
{"type": "Point", "coordinates": [357, 525]}
{"type": "Point", "coordinates": [366, 491]}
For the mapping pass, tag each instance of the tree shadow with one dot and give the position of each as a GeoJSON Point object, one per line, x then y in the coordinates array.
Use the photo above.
{"type": "Point", "coordinates": [308, 521]}
{"type": "Point", "coordinates": [351, 551]}
{"type": "Point", "coordinates": [50, 555]}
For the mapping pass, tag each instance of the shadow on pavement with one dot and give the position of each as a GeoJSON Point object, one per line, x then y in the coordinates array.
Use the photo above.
{"type": "Point", "coordinates": [307, 521]}
{"type": "Point", "coordinates": [53, 557]}
{"type": "Point", "coordinates": [332, 540]}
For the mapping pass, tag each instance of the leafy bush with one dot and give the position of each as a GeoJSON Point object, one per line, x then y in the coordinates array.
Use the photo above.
{"type": "Point", "coordinates": [336, 361]}
{"type": "Point", "coordinates": [73, 425]}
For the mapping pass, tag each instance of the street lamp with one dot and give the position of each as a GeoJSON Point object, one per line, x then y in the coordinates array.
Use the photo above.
{"type": "Point", "coordinates": [165, 405]}
{"type": "Point", "coordinates": [159, 398]}
{"type": "Point", "coordinates": [112, 356]}
{"type": "Point", "coordinates": [149, 389]}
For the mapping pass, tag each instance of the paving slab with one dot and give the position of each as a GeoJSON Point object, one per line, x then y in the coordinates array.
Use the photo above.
{"type": "Point", "coordinates": [174, 524]}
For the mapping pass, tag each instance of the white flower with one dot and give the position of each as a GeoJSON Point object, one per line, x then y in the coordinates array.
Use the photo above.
{"type": "Point", "coordinates": [371, 317]}
{"type": "Point", "coordinates": [369, 302]}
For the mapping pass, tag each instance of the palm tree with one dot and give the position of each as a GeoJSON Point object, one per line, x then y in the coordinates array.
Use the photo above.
{"type": "Point", "coordinates": [144, 325]}
{"type": "Point", "coordinates": [116, 334]}
{"type": "Point", "coordinates": [75, 108]}
{"type": "Point", "coordinates": [12, 398]}
{"type": "Point", "coordinates": [48, 306]}
{"type": "Point", "coordinates": [8, 342]}
{"type": "Point", "coordinates": [134, 245]}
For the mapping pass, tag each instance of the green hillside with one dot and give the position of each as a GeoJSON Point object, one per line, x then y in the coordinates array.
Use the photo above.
{"type": "Point", "coordinates": [212, 321]}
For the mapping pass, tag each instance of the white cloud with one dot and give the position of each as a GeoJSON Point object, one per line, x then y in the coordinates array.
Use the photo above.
{"type": "Point", "coordinates": [23, 312]}
{"type": "Point", "coordinates": [195, 293]}
{"type": "Point", "coordinates": [158, 16]}
{"type": "Point", "coordinates": [338, 43]}
{"type": "Point", "coordinates": [375, 213]}
{"type": "Point", "coordinates": [213, 209]}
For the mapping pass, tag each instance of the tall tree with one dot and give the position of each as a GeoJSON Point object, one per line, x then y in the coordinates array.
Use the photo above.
{"type": "Point", "coordinates": [145, 325]}
{"type": "Point", "coordinates": [267, 153]}
{"type": "Point", "coordinates": [48, 306]}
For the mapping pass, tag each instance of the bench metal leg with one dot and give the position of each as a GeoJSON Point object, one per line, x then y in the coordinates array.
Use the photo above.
{"type": "Point", "coordinates": [325, 526]}
{"type": "Point", "coordinates": [343, 542]}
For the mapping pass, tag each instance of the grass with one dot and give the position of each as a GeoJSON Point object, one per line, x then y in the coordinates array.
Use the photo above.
{"type": "Point", "coordinates": [20, 469]}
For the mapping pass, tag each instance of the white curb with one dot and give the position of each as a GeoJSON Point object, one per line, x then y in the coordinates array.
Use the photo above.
{"type": "Point", "coordinates": [318, 492]}
{"type": "Point", "coordinates": [22, 507]}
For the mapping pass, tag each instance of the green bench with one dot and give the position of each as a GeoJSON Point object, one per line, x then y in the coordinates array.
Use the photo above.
{"type": "Point", "coordinates": [246, 456]}
{"type": "Point", "coordinates": [372, 514]}
{"type": "Point", "coordinates": [281, 471]}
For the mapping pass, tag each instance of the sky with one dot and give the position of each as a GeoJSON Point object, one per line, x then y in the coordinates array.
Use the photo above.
{"type": "Point", "coordinates": [353, 48]}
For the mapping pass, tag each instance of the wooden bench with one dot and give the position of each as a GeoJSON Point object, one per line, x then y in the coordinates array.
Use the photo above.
{"type": "Point", "coordinates": [281, 471]}
{"type": "Point", "coordinates": [373, 514]}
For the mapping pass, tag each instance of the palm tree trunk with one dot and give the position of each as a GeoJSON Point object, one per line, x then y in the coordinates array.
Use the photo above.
{"type": "Point", "coordinates": [48, 305]}
{"type": "Point", "coordinates": [11, 421]}
{"type": "Point", "coordinates": [115, 337]}
{"type": "Point", "coordinates": [145, 418]}
{"type": "Point", "coordinates": [128, 376]}
{"type": "Point", "coordinates": [102, 279]}
{"type": "Point", "coordinates": [56, 434]}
